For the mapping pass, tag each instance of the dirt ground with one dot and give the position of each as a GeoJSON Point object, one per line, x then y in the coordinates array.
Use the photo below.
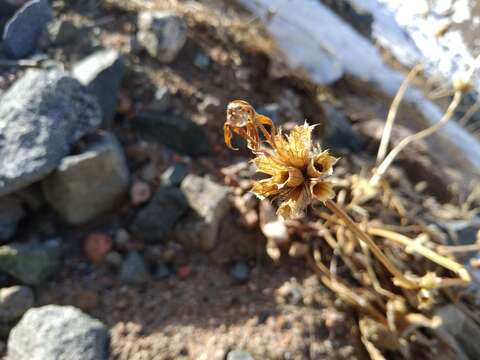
{"type": "Point", "coordinates": [281, 311]}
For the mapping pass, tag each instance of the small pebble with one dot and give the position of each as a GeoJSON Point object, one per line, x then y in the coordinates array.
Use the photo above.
{"type": "Point", "coordinates": [201, 60]}
{"type": "Point", "coordinates": [114, 258]}
{"type": "Point", "coordinates": [239, 355]}
{"type": "Point", "coordinates": [174, 175]}
{"type": "Point", "coordinates": [240, 272]}
{"type": "Point", "coordinates": [122, 238]}
{"type": "Point", "coordinates": [162, 100]}
{"type": "Point", "coordinates": [134, 270]}
{"type": "Point", "coordinates": [140, 193]}
{"type": "Point", "coordinates": [162, 271]}
{"type": "Point", "coordinates": [97, 246]}
{"type": "Point", "coordinates": [184, 272]}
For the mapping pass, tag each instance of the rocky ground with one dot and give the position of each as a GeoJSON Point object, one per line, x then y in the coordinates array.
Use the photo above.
{"type": "Point", "coordinates": [126, 226]}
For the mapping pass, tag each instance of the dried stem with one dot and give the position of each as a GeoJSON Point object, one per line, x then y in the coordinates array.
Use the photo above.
{"type": "Point", "coordinates": [424, 251]}
{"type": "Point", "coordinates": [342, 290]}
{"type": "Point", "coordinates": [402, 279]}
{"type": "Point", "coordinates": [392, 113]}
{"type": "Point", "coordinates": [382, 168]}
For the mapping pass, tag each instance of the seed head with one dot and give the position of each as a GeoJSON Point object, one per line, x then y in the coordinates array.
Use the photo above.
{"type": "Point", "coordinates": [295, 166]}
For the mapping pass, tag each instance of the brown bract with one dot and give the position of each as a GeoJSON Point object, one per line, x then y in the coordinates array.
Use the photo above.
{"type": "Point", "coordinates": [296, 167]}
{"type": "Point", "coordinates": [244, 121]}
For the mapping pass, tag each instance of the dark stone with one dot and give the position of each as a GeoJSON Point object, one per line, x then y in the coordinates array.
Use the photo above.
{"type": "Point", "coordinates": [61, 32]}
{"type": "Point", "coordinates": [25, 28]}
{"type": "Point", "coordinates": [359, 19]}
{"type": "Point", "coordinates": [162, 213]}
{"type": "Point", "coordinates": [240, 272]}
{"type": "Point", "coordinates": [174, 131]}
{"type": "Point", "coordinates": [174, 175]}
{"type": "Point", "coordinates": [11, 212]}
{"type": "Point", "coordinates": [162, 100]}
{"type": "Point", "coordinates": [134, 271]}
{"type": "Point", "coordinates": [102, 73]}
{"type": "Point", "coordinates": [339, 135]}
{"type": "Point", "coordinates": [162, 271]}
{"type": "Point", "coordinates": [462, 232]}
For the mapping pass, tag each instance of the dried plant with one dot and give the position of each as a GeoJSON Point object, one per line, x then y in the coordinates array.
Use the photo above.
{"type": "Point", "coordinates": [297, 174]}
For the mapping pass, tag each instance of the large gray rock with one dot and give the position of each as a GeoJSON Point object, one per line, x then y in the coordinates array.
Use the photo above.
{"type": "Point", "coordinates": [11, 212]}
{"type": "Point", "coordinates": [90, 183]}
{"type": "Point", "coordinates": [60, 333]}
{"type": "Point", "coordinates": [14, 302]}
{"type": "Point", "coordinates": [31, 263]}
{"type": "Point", "coordinates": [41, 116]}
{"type": "Point", "coordinates": [102, 73]}
{"type": "Point", "coordinates": [159, 217]}
{"type": "Point", "coordinates": [162, 33]}
{"type": "Point", "coordinates": [23, 31]}
{"type": "Point", "coordinates": [209, 203]}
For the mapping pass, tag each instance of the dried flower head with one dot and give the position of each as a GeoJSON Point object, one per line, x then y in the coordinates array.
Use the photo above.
{"type": "Point", "coordinates": [244, 121]}
{"type": "Point", "coordinates": [297, 168]}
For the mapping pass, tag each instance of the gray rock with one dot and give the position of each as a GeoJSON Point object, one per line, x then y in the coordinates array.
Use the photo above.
{"type": "Point", "coordinates": [60, 333]}
{"type": "Point", "coordinates": [174, 131]}
{"type": "Point", "coordinates": [174, 175]}
{"type": "Point", "coordinates": [11, 212]}
{"type": "Point", "coordinates": [90, 183]}
{"type": "Point", "coordinates": [162, 33]}
{"type": "Point", "coordinates": [162, 271]}
{"type": "Point", "coordinates": [209, 203]}
{"type": "Point", "coordinates": [60, 32]}
{"type": "Point", "coordinates": [339, 135]}
{"type": "Point", "coordinates": [134, 271]}
{"type": "Point", "coordinates": [240, 272]}
{"type": "Point", "coordinates": [102, 73]}
{"type": "Point", "coordinates": [201, 60]}
{"type": "Point", "coordinates": [462, 232]}
{"type": "Point", "coordinates": [463, 329]}
{"type": "Point", "coordinates": [31, 263]}
{"type": "Point", "coordinates": [14, 302]}
{"type": "Point", "coordinates": [239, 355]}
{"type": "Point", "coordinates": [162, 100]}
{"type": "Point", "coordinates": [41, 116]}
{"type": "Point", "coordinates": [159, 217]}
{"type": "Point", "coordinates": [24, 29]}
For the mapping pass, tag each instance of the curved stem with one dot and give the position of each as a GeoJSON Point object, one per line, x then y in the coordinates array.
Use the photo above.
{"type": "Point", "coordinates": [371, 244]}
{"type": "Point", "coordinates": [392, 113]}
{"type": "Point", "coordinates": [414, 137]}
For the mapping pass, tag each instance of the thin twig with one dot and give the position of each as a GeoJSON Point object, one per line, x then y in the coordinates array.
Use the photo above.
{"type": "Point", "coordinates": [424, 251]}
{"type": "Point", "coordinates": [382, 168]}
{"type": "Point", "coordinates": [392, 113]}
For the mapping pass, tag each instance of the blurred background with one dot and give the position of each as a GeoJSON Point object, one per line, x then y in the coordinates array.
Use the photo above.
{"type": "Point", "coordinates": [127, 229]}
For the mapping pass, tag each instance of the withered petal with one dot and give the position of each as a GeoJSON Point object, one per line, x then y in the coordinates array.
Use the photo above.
{"type": "Point", "coordinates": [295, 203]}
{"type": "Point", "coordinates": [268, 165]}
{"type": "Point", "coordinates": [227, 136]}
{"type": "Point", "coordinates": [295, 178]}
{"type": "Point", "coordinates": [321, 190]}
{"type": "Point", "coordinates": [265, 188]}
{"type": "Point", "coordinates": [321, 165]}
